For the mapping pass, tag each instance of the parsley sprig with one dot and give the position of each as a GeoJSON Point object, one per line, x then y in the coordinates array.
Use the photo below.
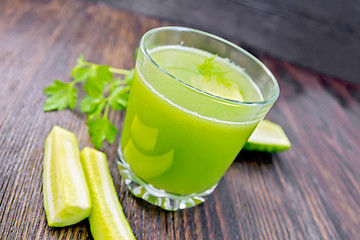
{"type": "Point", "coordinates": [105, 90]}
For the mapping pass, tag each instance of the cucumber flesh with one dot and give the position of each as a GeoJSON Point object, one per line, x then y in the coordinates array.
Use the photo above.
{"type": "Point", "coordinates": [229, 91]}
{"type": "Point", "coordinates": [65, 192]}
{"type": "Point", "coordinates": [107, 220]}
{"type": "Point", "coordinates": [268, 137]}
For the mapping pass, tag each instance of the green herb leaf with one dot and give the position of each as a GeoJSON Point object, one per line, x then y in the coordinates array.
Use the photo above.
{"type": "Point", "coordinates": [80, 74]}
{"type": "Point", "coordinates": [92, 106]}
{"type": "Point", "coordinates": [61, 95]}
{"type": "Point", "coordinates": [98, 77]}
{"type": "Point", "coordinates": [101, 129]}
{"type": "Point", "coordinates": [88, 104]}
{"type": "Point", "coordinates": [98, 110]}
{"type": "Point", "coordinates": [81, 61]}
{"type": "Point", "coordinates": [126, 81]}
{"type": "Point", "coordinates": [80, 64]}
{"type": "Point", "coordinates": [207, 67]}
{"type": "Point", "coordinates": [119, 97]}
{"type": "Point", "coordinates": [115, 83]}
{"type": "Point", "coordinates": [210, 71]}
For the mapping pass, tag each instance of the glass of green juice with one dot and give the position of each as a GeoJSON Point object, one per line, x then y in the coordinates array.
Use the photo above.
{"type": "Point", "coordinates": [195, 100]}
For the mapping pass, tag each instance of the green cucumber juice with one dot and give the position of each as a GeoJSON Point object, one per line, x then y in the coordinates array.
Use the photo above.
{"type": "Point", "coordinates": [180, 142]}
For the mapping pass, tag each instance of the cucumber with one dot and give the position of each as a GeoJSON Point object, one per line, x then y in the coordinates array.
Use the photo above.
{"type": "Point", "coordinates": [107, 220]}
{"type": "Point", "coordinates": [65, 192]}
{"type": "Point", "coordinates": [268, 137]}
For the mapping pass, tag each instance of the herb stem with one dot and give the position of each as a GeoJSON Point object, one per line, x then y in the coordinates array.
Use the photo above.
{"type": "Point", "coordinates": [107, 107]}
{"type": "Point", "coordinates": [72, 83]}
{"type": "Point", "coordinates": [124, 90]}
{"type": "Point", "coordinates": [119, 71]}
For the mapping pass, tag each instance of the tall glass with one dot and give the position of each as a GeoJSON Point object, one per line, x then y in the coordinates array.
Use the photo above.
{"type": "Point", "coordinates": [178, 141]}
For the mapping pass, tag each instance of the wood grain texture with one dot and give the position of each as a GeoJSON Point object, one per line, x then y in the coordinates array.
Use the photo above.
{"type": "Point", "coordinates": [311, 191]}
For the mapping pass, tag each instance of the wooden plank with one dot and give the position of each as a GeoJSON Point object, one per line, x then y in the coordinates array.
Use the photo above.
{"type": "Point", "coordinates": [311, 191]}
{"type": "Point", "coordinates": [320, 35]}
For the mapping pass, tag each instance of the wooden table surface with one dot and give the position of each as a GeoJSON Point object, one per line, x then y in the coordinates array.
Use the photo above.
{"type": "Point", "coordinates": [311, 191]}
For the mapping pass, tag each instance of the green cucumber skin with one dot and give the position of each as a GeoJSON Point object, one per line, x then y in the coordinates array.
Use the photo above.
{"type": "Point", "coordinates": [101, 219]}
{"type": "Point", "coordinates": [254, 144]}
{"type": "Point", "coordinates": [262, 147]}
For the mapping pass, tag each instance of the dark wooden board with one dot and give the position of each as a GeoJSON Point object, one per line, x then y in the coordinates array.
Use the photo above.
{"type": "Point", "coordinates": [311, 191]}
{"type": "Point", "coordinates": [323, 35]}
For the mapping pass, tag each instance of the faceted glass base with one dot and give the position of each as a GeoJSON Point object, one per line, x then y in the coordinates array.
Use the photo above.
{"type": "Point", "coordinates": [158, 197]}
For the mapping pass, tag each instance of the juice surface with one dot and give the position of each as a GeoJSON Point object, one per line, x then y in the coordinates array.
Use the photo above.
{"type": "Point", "coordinates": [178, 150]}
{"type": "Point", "coordinates": [183, 63]}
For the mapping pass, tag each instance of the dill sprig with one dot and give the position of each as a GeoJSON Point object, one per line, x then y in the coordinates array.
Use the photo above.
{"type": "Point", "coordinates": [210, 72]}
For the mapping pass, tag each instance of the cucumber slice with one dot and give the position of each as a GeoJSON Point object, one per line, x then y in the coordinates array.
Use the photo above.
{"type": "Point", "coordinates": [66, 196]}
{"type": "Point", "coordinates": [107, 220]}
{"type": "Point", "coordinates": [268, 137]}
{"type": "Point", "coordinates": [229, 91]}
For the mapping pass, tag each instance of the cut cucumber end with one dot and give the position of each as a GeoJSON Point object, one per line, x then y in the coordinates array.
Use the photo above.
{"type": "Point", "coordinates": [65, 192]}
{"type": "Point", "coordinates": [107, 220]}
{"type": "Point", "coordinates": [69, 216]}
{"type": "Point", "coordinates": [268, 137]}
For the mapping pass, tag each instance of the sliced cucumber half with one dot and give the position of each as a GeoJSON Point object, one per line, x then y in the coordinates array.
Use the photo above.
{"type": "Point", "coordinates": [268, 137]}
{"type": "Point", "coordinates": [65, 192]}
{"type": "Point", "coordinates": [107, 220]}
